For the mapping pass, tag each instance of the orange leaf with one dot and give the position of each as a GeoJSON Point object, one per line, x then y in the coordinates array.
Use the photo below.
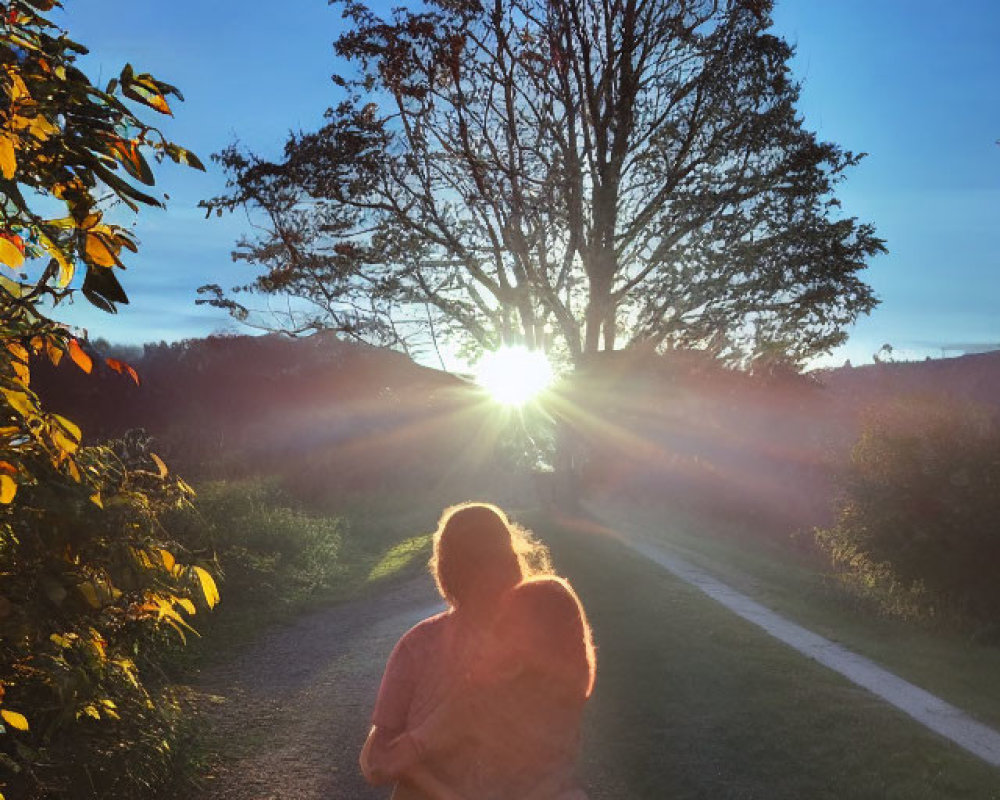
{"type": "Point", "coordinates": [8, 161]}
{"type": "Point", "coordinates": [123, 369]}
{"type": "Point", "coordinates": [7, 489]}
{"type": "Point", "coordinates": [80, 358]}
{"type": "Point", "coordinates": [98, 251]}
{"type": "Point", "coordinates": [11, 250]}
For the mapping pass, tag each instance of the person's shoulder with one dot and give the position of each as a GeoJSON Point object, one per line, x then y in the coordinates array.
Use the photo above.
{"type": "Point", "coordinates": [428, 629]}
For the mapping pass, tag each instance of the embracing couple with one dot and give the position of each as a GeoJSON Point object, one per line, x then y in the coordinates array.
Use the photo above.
{"type": "Point", "coordinates": [484, 701]}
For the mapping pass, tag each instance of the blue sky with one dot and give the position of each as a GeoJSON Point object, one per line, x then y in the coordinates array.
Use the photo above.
{"type": "Point", "coordinates": [914, 83]}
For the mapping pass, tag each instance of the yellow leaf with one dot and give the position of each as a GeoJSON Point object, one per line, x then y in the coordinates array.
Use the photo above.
{"type": "Point", "coordinates": [66, 267]}
{"type": "Point", "coordinates": [69, 426]}
{"type": "Point", "coordinates": [22, 372]}
{"type": "Point", "coordinates": [20, 402]}
{"type": "Point", "coordinates": [95, 498]}
{"type": "Point", "coordinates": [18, 350]}
{"type": "Point", "coordinates": [208, 587]}
{"type": "Point", "coordinates": [7, 489]}
{"type": "Point", "coordinates": [176, 627]}
{"type": "Point", "coordinates": [18, 89]}
{"type": "Point", "coordinates": [159, 464]}
{"type": "Point", "coordinates": [10, 253]}
{"type": "Point", "coordinates": [168, 559]}
{"type": "Point", "coordinates": [15, 720]}
{"type": "Point", "coordinates": [143, 559]}
{"type": "Point", "coordinates": [66, 445]}
{"type": "Point", "coordinates": [89, 594]}
{"type": "Point", "coordinates": [186, 604]}
{"type": "Point", "coordinates": [80, 358]}
{"type": "Point", "coordinates": [158, 102]}
{"type": "Point", "coordinates": [98, 251]}
{"type": "Point", "coordinates": [8, 161]}
{"type": "Point", "coordinates": [91, 711]}
{"type": "Point", "coordinates": [41, 128]}
{"type": "Point", "coordinates": [54, 353]}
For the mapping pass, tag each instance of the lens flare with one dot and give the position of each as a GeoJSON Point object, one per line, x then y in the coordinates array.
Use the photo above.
{"type": "Point", "coordinates": [514, 375]}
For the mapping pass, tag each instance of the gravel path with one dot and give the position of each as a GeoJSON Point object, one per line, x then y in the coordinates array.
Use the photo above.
{"type": "Point", "coordinates": [291, 712]}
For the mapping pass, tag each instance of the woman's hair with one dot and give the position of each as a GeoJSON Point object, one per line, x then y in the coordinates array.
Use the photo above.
{"type": "Point", "coordinates": [546, 618]}
{"type": "Point", "coordinates": [479, 552]}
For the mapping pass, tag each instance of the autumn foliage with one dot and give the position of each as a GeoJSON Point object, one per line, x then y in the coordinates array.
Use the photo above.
{"type": "Point", "coordinates": [91, 580]}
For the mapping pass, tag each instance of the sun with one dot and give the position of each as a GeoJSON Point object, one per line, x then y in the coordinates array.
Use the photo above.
{"type": "Point", "coordinates": [514, 375]}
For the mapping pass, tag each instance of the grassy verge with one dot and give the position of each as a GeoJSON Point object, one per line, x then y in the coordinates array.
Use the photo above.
{"type": "Point", "coordinates": [693, 702]}
{"type": "Point", "coordinates": [945, 662]}
{"type": "Point", "coordinates": [279, 558]}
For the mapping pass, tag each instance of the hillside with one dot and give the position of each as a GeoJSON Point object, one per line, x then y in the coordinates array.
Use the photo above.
{"type": "Point", "coordinates": [229, 406]}
{"type": "Point", "coordinates": [335, 415]}
{"type": "Point", "coordinates": [974, 378]}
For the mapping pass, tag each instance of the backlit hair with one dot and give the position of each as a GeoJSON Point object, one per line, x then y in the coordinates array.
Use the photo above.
{"type": "Point", "coordinates": [548, 618]}
{"type": "Point", "coordinates": [479, 551]}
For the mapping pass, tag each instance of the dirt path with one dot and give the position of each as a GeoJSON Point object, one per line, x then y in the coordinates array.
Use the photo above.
{"type": "Point", "coordinates": [291, 712]}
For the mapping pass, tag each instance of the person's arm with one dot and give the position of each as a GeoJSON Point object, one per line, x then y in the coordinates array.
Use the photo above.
{"type": "Point", "coordinates": [395, 695]}
{"type": "Point", "coordinates": [387, 757]}
{"type": "Point", "coordinates": [375, 756]}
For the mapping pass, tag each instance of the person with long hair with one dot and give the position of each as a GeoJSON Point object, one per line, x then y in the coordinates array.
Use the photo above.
{"type": "Point", "coordinates": [485, 700]}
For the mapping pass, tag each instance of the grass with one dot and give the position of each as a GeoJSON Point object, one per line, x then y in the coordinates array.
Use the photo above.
{"type": "Point", "coordinates": [400, 558]}
{"type": "Point", "coordinates": [693, 702]}
{"type": "Point", "coordinates": [945, 662]}
{"type": "Point", "coordinates": [281, 558]}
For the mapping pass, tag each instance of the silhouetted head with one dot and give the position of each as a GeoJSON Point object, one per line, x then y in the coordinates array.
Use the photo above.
{"type": "Point", "coordinates": [542, 624]}
{"type": "Point", "coordinates": [476, 555]}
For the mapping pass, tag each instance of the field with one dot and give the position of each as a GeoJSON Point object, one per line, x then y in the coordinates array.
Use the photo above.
{"type": "Point", "coordinates": [693, 702]}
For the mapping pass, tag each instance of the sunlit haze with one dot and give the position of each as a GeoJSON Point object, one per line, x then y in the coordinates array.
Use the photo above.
{"type": "Point", "coordinates": [514, 375]}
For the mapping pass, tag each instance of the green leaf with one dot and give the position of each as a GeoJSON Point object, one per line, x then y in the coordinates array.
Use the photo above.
{"type": "Point", "coordinates": [102, 288]}
{"type": "Point", "coordinates": [123, 188]}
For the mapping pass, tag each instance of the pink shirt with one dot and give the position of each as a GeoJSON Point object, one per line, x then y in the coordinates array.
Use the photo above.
{"type": "Point", "coordinates": [517, 732]}
{"type": "Point", "coordinates": [428, 662]}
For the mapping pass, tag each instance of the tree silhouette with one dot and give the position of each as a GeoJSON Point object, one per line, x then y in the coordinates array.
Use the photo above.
{"type": "Point", "coordinates": [597, 174]}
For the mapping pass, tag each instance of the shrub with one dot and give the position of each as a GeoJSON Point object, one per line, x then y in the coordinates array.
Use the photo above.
{"type": "Point", "coordinates": [93, 587]}
{"type": "Point", "coordinates": [269, 548]}
{"type": "Point", "coordinates": [919, 516]}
